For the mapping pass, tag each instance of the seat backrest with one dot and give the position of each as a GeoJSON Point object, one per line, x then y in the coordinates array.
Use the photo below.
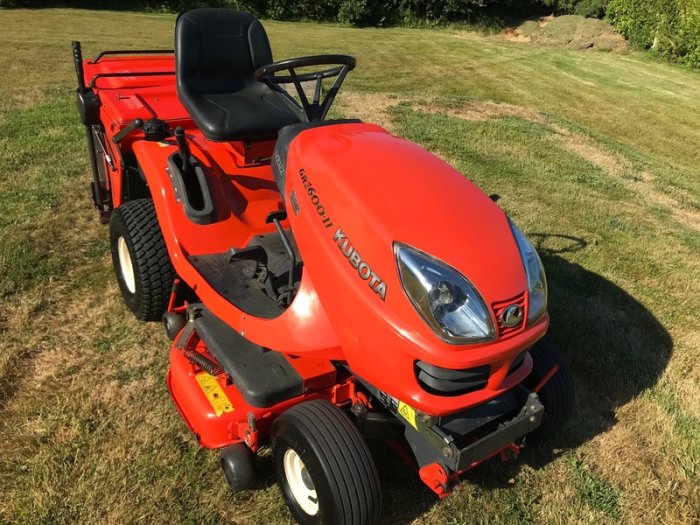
{"type": "Point", "coordinates": [218, 50]}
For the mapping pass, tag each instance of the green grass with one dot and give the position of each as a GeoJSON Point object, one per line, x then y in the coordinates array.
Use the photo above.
{"type": "Point", "coordinates": [595, 492]}
{"type": "Point", "coordinates": [595, 155]}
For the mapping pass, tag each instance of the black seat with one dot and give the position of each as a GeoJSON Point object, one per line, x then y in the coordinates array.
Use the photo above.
{"type": "Point", "coordinates": [216, 53]}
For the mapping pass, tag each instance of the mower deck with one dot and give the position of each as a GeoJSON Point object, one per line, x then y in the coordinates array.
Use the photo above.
{"type": "Point", "coordinates": [228, 388]}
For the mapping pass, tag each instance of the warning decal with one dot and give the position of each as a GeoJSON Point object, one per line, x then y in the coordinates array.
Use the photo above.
{"type": "Point", "coordinates": [215, 394]}
{"type": "Point", "coordinates": [408, 413]}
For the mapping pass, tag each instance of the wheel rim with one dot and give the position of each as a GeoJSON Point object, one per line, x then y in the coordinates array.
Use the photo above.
{"type": "Point", "coordinates": [300, 483]}
{"type": "Point", "coordinates": [125, 265]}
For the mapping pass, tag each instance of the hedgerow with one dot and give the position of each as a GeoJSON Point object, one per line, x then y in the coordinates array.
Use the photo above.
{"type": "Point", "coordinates": [670, 28]}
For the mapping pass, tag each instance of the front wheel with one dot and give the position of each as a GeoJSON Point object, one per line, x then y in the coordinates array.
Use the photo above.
{"type": "Point", "coordinates": [141, 261]}
{"type": "Point", "coordinates": [324, 467]}
{"type": "Point", "coordinates": [557, 394]}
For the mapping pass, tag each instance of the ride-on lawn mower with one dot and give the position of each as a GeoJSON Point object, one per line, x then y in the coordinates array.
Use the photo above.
{"type": "Point", "coordinates": [323, 282]}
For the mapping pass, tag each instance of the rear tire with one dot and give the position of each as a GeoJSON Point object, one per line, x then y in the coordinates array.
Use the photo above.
{"type": "Point", "coordinates": [141, 261]}
{"type": "Point", "coordinates": [557, 394]}
{"type": "Point", "coordinates": [323, 466]}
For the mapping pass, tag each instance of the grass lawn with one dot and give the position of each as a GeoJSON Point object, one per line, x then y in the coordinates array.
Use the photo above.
{"type": "Point", "coordinates": [596, 155]}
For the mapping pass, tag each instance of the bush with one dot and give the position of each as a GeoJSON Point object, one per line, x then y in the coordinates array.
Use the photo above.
{"type": "Point", "coordinates": [587, 8]}
{"type": "Point", "coordinates": [669, 27]}
{"type": "Point", "coordinates": [301, 10]}
{"type": "Point", "coordinates": [405, 12]}
{"type": "Point", "coordinates": [362, 13]}
{"type": "Point", "coordinates": [591, 8]}
{"type": "Point", "coordinates": [353, 12]}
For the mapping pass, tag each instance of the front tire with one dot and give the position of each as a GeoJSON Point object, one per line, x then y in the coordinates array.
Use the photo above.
{"type": "Point", "coordinates": [557, 394]}
{"type": "Point", "coordinates": [141, 261]}
{"type": "Point", "coordinates": [323, 466]}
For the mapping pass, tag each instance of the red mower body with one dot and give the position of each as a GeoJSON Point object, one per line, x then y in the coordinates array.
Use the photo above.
{"type": "Point", "coordinates": [345, 196]}
{"type": "Point", "coordinates": [373, 187]}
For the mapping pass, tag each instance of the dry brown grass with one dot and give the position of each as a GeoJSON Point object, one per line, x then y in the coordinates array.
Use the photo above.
{"type": "Point", "coordinates": [368, 107]}
{"type": "Point", "coordinates": [575, 32]}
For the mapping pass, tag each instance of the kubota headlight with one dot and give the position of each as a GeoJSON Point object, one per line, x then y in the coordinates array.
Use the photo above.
{"type": "Point", "coordinates": [536, 279]}
{"type": "Point", "coordinates": [447, 301]}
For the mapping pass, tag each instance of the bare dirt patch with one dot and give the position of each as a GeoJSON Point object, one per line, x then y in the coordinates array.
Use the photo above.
{"type": "Point", "coordinates": [482, 110]}
{"type": "Point", "coordinates": [369, 107]}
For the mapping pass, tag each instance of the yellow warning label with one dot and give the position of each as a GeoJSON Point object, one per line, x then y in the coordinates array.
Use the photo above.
{"type": "Point", "coordinates": [215, 394]}
{"type": "Point", "coordinates": [408, 413]}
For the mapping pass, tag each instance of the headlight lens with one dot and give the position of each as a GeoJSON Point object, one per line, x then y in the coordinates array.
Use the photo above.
{"type": "Point", "coordinates": [536, 279]}
{"type": "Point", "coordinates": [447, 301]}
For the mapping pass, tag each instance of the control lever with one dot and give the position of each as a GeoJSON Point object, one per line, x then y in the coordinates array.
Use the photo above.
{"type": "Point", "coordinates": [184, 150]}
{"type": "Point", "coordinates": [136, 124]}
{"type": "Point", "coordinates": [276, 217]}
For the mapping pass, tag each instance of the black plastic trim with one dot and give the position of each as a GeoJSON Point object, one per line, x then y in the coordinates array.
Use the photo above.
{"type": "Point", "coordinates": [449, 382]}
{"type": "Point", "coordinates": [88, 107]}
{"type": "Point", "coordinates": [198, 212]}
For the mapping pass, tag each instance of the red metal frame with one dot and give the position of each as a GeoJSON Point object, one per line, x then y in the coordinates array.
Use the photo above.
{"type": "Point", "coordinates": [348, 191]}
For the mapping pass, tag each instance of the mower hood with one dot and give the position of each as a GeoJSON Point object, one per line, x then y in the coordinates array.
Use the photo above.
{"type": "Point", "coordinates": [354, 190]}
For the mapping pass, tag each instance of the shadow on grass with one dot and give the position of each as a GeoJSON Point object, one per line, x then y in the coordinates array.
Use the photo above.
{"type": "Point", "coordinates": [615, 349]}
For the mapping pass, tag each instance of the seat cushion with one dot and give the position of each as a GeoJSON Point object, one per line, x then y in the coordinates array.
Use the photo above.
{"type": "Point", "coordinates": [252, 113]}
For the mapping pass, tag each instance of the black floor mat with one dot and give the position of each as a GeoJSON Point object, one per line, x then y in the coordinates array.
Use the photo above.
{"type": "Point", "coordinates": [233, 281]}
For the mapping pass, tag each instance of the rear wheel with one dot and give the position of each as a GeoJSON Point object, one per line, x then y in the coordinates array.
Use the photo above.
{"type": "Point", "coordinates": [324, 467]}
{"type": "Point", "coordinates": [557, 394]}
{"type": "Point", "coordinates": [141, 261]}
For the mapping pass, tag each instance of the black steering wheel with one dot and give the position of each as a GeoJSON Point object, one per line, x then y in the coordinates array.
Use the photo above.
{"type": "Point", "coordinates": [317, 108]}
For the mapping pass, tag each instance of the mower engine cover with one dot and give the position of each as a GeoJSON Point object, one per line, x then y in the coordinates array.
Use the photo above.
{"type": "Point", "coordinates": [356, 196]}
